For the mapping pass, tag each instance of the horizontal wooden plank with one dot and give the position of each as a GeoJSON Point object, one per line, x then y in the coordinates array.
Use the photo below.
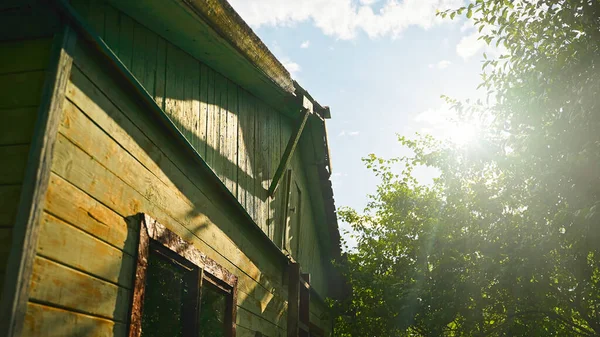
{"type": "Point", "coordinates": [159, 161]}
{"type": "Point", "coordinates": [9, 200]}
{"type": "Point", "coordinates": [24, 55]}
{"type": "Point", "coordinates": [46, 321]}
{"type": "Point", "coordinates": [62, 286]}
{"type": "Point", "coordinates": [74, 206]}
{"type": "Point", "coordinates": [255, 322]}
{"type": "Point", "coordinates": [16, 125]}
{"type": "Point", "coordinates": [14, 160]}
{"type": "Point", "coordinates": [21, 89]}
{"type": "Point", "coordinates": [81, 169]}
{"type": "Point", "coordinates": [70, 246]}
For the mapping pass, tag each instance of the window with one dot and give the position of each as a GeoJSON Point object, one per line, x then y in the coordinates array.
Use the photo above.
{"type": "Point", "coordinates": [178, 290]}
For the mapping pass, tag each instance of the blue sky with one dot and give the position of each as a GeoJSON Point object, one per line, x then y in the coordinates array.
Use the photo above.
{"type": "Point", "coordinates": [380, 65]}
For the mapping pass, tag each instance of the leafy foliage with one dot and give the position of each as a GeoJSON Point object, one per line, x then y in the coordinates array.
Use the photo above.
{"type": "Point", "coordinates": [506, 242]}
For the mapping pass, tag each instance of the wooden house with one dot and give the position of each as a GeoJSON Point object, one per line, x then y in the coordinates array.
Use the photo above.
{"type": "Point", "coordinates": [162, 175]}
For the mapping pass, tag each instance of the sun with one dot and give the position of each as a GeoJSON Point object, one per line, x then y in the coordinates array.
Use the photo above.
{"type": "Point", "coordinates": [463, 133]}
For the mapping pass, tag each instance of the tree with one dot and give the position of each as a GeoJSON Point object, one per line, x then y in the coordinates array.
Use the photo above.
{"type": "Point", "coordinates": [506, 241]}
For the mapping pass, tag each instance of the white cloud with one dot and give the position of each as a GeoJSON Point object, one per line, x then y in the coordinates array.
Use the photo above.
{"type": "Point", "coordinates": [345, 18]}
{"type": "Point", "coordinates": [292, 67]}
{"type": "Point", "coordinates": [470, 44]}
{"type": "Point", "coordinates": [345, 133]}
{"type": "Point", "coordinates": [305, 44]}
{"type": "Point", "coordinates": [443, 64]}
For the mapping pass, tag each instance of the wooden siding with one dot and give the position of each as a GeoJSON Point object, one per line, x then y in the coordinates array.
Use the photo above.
{"type": "Point", "coordinates": [239, 136]}
{"type": "Point", "coordinates": [112, 160]}
{"type": "Point", "coordinates": [22, 72]}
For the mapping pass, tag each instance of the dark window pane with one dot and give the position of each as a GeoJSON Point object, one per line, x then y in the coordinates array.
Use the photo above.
{"type": "Point", "coordinates": [166, 290]}
{"type": "Point", "coordinates": [212, 311]}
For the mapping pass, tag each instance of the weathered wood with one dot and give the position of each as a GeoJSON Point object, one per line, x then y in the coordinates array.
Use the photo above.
{"type": "Point", "coordinates": [289, 152]}
{"type": "Point", "coordinates": [125, 51]}
{"type": "Point", "coordinates": [79, 291]}
{"type": "Point", "coordinates": [24, 55]}
{"type": "Point", "coordinates": [150, 53]}
{"type": "Point", "coordinates": [139, 52]}
{"type": "Point", "coordinates": [262, 156]}
{"type": "Point", "coordinates": [161, 73]}
{"type": "Point", "coordinates": [251, 321]}
{"type": "Point", "coordinates": [107, 190]}
{"type": "Point", "coordinates": [14, 158]}
{"type": "Point", "coordinates": [68, 203]}
{"type": "Point", "coordinates": [212, 120]}
{"type": "Point", "coordinates": [46, 321]}
{"type": "Point", "coordinates": [174, 87]}
{"type": "Point", "coordinates": [242, 172]}
{"type": "Point", "coordinates": [203, 114]}
{"type": "Point", "coordinates": [220, 159]}
{"type": "Point", "coordinates": [275, 199]}
{"type": "Point", "coordinates": [231, 139]}
{"type": "Point", "coordinates": [58, 240]}
{"type": "Point", "coordinates": [139, 287]}
{"type": "Point", "coordinates": [88, 137]}
{"type": "Point", "coordinates": [16, 286]}
{"type": "Point", "coordinates": [248, 139]}
{"type": "Point", "coordinates": [192, 93]}
{"type": "Point", "coordinates": [96, 16]}
{"type": "Point", "coordinates": [16, 125]}
{"type": "Point", "coordinates": [111, 29]}
{"type": "Point", "coordinates": [293, 299]}
{"type": "Point", "coordinates": [124, 139]}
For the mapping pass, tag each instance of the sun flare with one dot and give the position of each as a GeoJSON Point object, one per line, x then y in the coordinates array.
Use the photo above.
{"type": "Point", "coordinates": [463, 133]}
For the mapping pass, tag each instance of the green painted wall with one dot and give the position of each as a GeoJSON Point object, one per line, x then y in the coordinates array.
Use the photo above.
{"type": "Point", "coordinates": [238, 135]}
{"type": "Point", "coordinates": [23, 63]}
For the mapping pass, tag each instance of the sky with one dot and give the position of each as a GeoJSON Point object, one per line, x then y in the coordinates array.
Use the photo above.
{"type": "Point", "coordinates": [381, 66]}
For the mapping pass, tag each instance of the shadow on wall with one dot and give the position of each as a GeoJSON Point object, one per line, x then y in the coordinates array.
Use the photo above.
{"type": "Point", "coordinates": [178, 189]}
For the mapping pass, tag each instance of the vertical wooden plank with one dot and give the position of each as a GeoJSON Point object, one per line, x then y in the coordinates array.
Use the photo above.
{"type": "Point", "coordinates": [15, 291]}
{"type": "Point", "coordinates": [194, 83]}
{"type": "Point", "coordinates": [275, 205]}
{"type": "Point", "coordinates": [259, 174]}
{"type": "Point", "coordinates": [111, 28]}
{"type": "Point", "coordinates": [160, 74]}
{"type": "Point", "coordinates": [174, 86]}
{"type": "Point", "coordinates": [96, 16]}
{"type": "Point", "coordinates": [125, 39]}
{"type": "Point", "coordinates": [231, 163]}
{"type": "Point", "coordinates": [203, 110]}
{"type": "Point", "coordinates": [82, 7]}
{"type": "Point", "coordinates": [212, 120]}
{"type": "Point", "coordinates": [138, 61]}
{"type": "Point", "coordinates": [221, 100]}
{"type": "Point", "coordinates": [249, 138]}
{"type": "Point", "coordinates": [150, 53]}
{"type": "Point", "coordinates": [190, 87]}
{"type": "Point", "coordinates": [242, 151]}
{"type": "Point", "coordinates": [263, 159]}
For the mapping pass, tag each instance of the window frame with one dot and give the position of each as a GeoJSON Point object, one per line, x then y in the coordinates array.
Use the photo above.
{"type": "Point", "coordinates": [155, 236]}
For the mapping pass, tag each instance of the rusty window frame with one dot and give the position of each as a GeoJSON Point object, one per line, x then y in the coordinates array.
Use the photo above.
{"type": "Point", "coordinates": [156, 237]}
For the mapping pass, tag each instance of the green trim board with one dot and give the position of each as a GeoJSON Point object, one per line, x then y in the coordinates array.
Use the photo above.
{"type": "Point", "coordinates": [15, 292]}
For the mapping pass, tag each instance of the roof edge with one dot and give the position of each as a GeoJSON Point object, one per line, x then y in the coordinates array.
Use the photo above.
{"type": "Point", "coordinates": [229, 24]}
